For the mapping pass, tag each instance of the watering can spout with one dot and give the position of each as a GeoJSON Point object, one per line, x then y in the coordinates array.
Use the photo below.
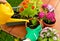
{"type": "Point", "coordinates": [6, 12]}
{"type": "Point", "coordinates": [17, 20]}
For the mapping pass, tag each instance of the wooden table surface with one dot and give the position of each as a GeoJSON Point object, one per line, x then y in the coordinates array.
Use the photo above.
{"type": "Point", "coordinates": [20, 31]}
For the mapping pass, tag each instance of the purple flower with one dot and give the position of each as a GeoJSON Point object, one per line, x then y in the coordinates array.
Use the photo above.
{"type": "Point", "coordinates": [44, 5]}
{"type": "Point", "coordinates": [51, 16]}
{"type": "Point", "coordinates": [41, 15]}
{"type": "Point", "coordinates": [50, 8]}
{"type": "Point", "coordinates": [48, 32]}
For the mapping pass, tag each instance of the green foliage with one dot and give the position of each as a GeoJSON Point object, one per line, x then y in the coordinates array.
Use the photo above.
{"type": "Point", "coordinates": [29, 12]}
{"type": "Point", "coordinates": [46, 20]}
{"type": "Point", "coordinates": [14, 2]}
{"type": "Point", "coordinates": [34, 22]}
{"type": "Point", "coordinates": [41, 39]}
{"type": "Point", "coordinates": [6, 37]}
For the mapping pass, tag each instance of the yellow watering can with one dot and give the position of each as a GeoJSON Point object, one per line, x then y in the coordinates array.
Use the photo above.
{"type": "Point", "coordinates": [6, 12]}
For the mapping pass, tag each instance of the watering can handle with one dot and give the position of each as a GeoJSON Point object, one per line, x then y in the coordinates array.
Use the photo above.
{"type": "Point", "coordinates": [17, 20]}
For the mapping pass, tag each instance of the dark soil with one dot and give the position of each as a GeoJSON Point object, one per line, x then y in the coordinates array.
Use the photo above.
{"type": "Point", "coordinates": [49, 23]}
{"type": "Point", "coordinates": [33, 26]}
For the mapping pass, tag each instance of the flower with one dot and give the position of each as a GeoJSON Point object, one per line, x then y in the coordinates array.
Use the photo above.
{"type": "Point", "coordinates": [50, 8]}
{"type": "Point", "coordinates": [50, 29]}
{"type": "Point", "coordinates": [54, 30]}
{"type": "Point", "coordinates": [55, 38]}
{"type": "Point", "coordinates": [27, 39]}
{"type": "Point", "coordinates": [21, 9]}
{"type": "Point", "coordinates": [48, 34]}
{"type": "Point", "coordinates": [51, 16]}
{"type": "Point", "coordinates": [42, 35]}
{"type": "Point", "coordinates": [44, 5]}
{"type": "Point", "coordinates": [41, 15]}
{"type": "Point", "coordinates": [46, 28]}
{"type": "Point", "coordinates": [33, 7]}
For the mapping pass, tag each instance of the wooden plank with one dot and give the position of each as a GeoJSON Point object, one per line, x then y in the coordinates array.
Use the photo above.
{"type": "Point", "coordinates": [6, 28]}
{"type": "Point", "coordinates": [54, 2]}
{"type": "Point", "coordinates": [57, 14]}
{"type": "Point", "coordinates": [45, 1]}
{"type": "Point", "coordinates": [19, 31]}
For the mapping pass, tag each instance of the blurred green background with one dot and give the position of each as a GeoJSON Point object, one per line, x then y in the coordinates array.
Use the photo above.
{"type": "Point", "coordinates": [14, 2]}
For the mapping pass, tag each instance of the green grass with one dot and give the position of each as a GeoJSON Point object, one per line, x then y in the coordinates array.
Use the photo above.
{"type": "Point", "coordinates": [7, 37]}
{"type": "Point", "coordinates": [14, 2]}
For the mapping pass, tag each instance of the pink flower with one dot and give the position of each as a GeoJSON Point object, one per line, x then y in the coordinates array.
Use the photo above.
{"type": "Point", "coordinates": [49, 7]}
{"type": "Point", "coordinates": [41, 15]}
{"type": "Point", "coordinates": [46, 28]}
{"type": "Point", "coordinates": [51, 16]}
{"type": "Point", "coordinates": [53, 19]}
{"type": "Point", "coordinates": [44, 5]}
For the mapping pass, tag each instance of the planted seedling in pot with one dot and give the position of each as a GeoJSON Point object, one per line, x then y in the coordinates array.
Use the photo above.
{"type": "Point", "coordinates": [33, 23]}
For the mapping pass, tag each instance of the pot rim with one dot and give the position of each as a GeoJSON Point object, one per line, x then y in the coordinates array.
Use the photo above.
{"type": "Point", "coordinates": [31, 19]}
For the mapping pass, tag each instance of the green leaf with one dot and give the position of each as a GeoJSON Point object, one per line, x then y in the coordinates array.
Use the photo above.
{"type": "Point", "coordinates": [6, 37]}
{"type": "Point", "coordinates": [45, 39]}
{"type": "Point", "coordinates": [29, 12]}
{"type": "Point", "coordinates": [34, 21]}
{"type": "Point", "coordinates": [50, 39]}
{"type": "Point", "coordinates": [14, 2]}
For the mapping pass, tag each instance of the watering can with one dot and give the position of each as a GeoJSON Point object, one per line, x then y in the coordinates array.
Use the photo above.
{"type": "Point", "coordinates": [6, 12]}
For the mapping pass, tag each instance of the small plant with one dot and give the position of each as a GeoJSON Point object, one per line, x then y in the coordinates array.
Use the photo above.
{"type": "Point", "coordinates": [48, 34]}
{"type": "Point", "coordinates": [33, 23]}
{"type": "Point", "coordinates": [48, 15]}
{"type": "Point", "coordinates": [41, 15]}
{"type": "Point", "coordinates": [50, 18]}
{"type": "Point", "coordinates": [30, 8]}
{"type": "Point", "coordinates": [47, 8]}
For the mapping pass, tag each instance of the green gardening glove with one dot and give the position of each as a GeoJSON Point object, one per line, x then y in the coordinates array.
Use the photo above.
{"type": "Point", "coordinates": [33, 34]}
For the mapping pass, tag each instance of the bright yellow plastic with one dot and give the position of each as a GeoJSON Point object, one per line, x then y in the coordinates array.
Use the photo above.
{"type": "Point", "coordinates": [6, 12]}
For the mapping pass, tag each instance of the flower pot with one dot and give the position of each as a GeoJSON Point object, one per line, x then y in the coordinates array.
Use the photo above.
{"type": "Point", "coordinates": [41, 22]}
{"type": "Point", "coordinates": [48, 25]}
{"type": "Point", "coordinates": [32, 27]}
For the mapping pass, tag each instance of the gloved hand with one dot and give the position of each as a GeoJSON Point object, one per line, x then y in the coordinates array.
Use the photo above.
{"type": "Point", "coordinates": [33, 34]}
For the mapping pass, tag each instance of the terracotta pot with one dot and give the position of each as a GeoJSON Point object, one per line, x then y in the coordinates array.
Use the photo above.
{"type": "Point", "coordinates": [41, 22]}
{"type": "Point", "coordinates": [48, 25]}
{"type": "Point", "coordinates": [31, 19]}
